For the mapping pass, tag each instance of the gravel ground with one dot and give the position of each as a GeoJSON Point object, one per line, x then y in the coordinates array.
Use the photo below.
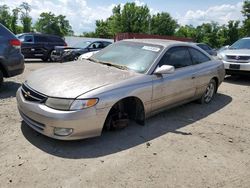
{"type": "Point", "coordinates": [189, 146]}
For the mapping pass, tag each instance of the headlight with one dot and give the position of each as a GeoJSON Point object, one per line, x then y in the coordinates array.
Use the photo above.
{"type": "Point", "coordinates": [70, 104]}
{"type": "Point", "coordinates": [220, 57]}
{"type": "Point", "coordinates": [80, 104]}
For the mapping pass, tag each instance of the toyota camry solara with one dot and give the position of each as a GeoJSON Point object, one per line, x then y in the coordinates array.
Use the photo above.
{"type": "Point", "coordinates": [127, 81]}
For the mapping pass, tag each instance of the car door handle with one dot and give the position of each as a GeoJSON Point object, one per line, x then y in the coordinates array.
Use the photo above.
{"type": "Point", "coordinates": [193, 76]}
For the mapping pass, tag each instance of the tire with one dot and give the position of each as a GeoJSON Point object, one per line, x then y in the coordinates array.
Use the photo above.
{"type": "Point", "coordinates": [50, 58]}
{"type": "Point", "coordinates": [1, 77]}
{"type": "Point", "coordinates": [45, 59]}
{"type": "Point", "coordinates": [209, 93]}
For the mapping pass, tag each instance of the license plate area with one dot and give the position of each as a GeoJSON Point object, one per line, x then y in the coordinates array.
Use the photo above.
{"type": "Point", "coordinates": [233, 66]}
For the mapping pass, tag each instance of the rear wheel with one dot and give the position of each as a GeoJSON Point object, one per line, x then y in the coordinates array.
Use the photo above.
{"type": "Point", "coordinates": [51, 57]}
{"type": "Point", "coordinates": [209, 93]}
{"type": "Point", "coordinates": [1, 77]}
{"type": "Point", "coordinates": [45, 59]}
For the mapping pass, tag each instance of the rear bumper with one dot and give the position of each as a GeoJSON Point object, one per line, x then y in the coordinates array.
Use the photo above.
{"type": "Point", "coordinates": [14, 65]}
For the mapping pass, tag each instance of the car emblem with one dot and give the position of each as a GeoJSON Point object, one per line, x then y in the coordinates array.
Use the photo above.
{"type": "Point", "coordinates": [237, 57]}
{"type": "Point", "coordinates": [27, 94]}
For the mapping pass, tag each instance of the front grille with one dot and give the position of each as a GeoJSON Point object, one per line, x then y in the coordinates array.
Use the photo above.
{"type": "Point", "coordinates": [238, 58]}
{"type": "Point", "coordinates": [31, 95]}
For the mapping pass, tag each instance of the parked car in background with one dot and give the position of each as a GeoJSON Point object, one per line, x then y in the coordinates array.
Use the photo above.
{"type": "Point", "coordinates": [236, 58]}
{"type": "Point", "coordinates": [11, 59]}
{"type": "Point", "coordinates": [86, 55]}
{"type": "Point", "coordinates": [222, 49]}
{"type": "Point", "coordinates": [64, 54]}
{"type": "Point", "coordinates": [128, 80]}
{"type": "Point", "coordinates": [207, 48]}
{"type": "Point", "coordinates": [39, 46]}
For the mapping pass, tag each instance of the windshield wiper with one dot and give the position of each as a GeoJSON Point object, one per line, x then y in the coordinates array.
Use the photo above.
{"type": "Point", "coordinates": [115, 65]}
{"type": "Point", "coordinates": [123, 67]}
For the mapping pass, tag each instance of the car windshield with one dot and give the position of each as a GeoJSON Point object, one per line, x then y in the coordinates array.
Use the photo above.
{"type": "Point", "coordinates": [241, 44]}
{"type": "Point", "coordinates": [82, 44]}
{"type": "Point", "coordinates": [135, 56]}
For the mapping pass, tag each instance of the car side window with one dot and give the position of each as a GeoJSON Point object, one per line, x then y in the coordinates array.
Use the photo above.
{"type": "Point", "coordinates": [177, 56]}
{"type": "Point", "coordinates": [197, 56]}
{"type": "Point", "coordinates": [96, 45]}
{"type": "Point", "coordinates": [28, 38]}
{"type": "Point", "coordinates": [105, 44]}
{"type": "Point", "coordinates": [204, 47]}
{"type": "Point", "coordinates": [41, 39]}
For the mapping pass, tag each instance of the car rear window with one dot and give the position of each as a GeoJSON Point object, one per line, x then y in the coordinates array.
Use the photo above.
{"type": "Point", "coordinates": [5, 33]}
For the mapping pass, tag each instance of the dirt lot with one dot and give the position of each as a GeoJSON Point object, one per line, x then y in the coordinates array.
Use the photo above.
{"type": "Point", "coordinates": [189, 146]}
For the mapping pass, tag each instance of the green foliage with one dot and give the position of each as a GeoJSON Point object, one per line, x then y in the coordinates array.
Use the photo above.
{"type": "Point", "coordinates": [14, 19]}
{"type": "Point", "coordinates": [5, 17]}
{"type": "Point", "coordinates": [26, 20]}
{"type": "Point", "coordinates": [212, 33]}
{"type": "Point", "coordinates": [130, 18]}
{"type": "Point", "coordinates": [246, 23]}
{"type": "Point", "coordinates": [246, 9]}
{"type": "Point", "coordinates": [163, 24]}
{"type": "Point", "coordinates": [51, 24]}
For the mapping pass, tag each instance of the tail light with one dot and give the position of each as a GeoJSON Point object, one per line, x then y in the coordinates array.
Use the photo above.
{"type": "Point", "coordinates": [15, 43]}
{"type": "Point", "coordinates": [65, 44]}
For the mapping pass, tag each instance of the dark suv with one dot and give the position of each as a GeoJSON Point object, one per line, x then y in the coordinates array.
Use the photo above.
{"type": "Point", "coordinates": [11, 59]}
{"type": "Point", "coordinates": [39, 46]}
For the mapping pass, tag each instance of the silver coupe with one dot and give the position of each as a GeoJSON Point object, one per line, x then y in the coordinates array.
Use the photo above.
{"type": "Point", "coordinates": [128, 81]}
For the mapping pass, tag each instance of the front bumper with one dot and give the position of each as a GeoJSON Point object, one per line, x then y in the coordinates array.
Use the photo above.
{"type": "Point", "coordinates": [85, 123]}
{"type": "Point", "coordinates": [236, 67]}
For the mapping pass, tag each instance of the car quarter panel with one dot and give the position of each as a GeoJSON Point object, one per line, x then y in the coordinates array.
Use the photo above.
{"type": "Point", "coordinates": [204, 72]}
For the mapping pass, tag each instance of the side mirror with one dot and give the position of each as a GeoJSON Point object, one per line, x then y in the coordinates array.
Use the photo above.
{"type": "Point", "coordinates": [165, 69]}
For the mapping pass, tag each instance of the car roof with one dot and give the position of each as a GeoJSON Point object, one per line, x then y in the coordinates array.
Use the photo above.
{"type": "Point", "coordinates": [161, 42]}
{"type": "Point", "coordinates": [43, 34]}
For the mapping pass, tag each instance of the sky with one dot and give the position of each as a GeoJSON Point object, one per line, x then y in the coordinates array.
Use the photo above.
{"type": "Point", "coordinates": [83, 13]}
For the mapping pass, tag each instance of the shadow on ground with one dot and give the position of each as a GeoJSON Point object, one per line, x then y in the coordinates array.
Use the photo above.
{"type": "Point", "coordinates": [37, 61]}
{"type": "Point", "coordinates": [113, 142]}
{"type": "Point", "coordinates": [239, 80]}
{"type": "Point", "coordinates": [8, 89]}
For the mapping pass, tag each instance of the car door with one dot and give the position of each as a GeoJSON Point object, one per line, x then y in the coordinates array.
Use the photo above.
{"type": "Point", "coordinates": [41, 46]}
{"type": "Point", "coordinates": [202, 70]}
{"type": "Point", "coordinates": [169, 89]}
{"type": "Point", "coordinates": [27, 46]}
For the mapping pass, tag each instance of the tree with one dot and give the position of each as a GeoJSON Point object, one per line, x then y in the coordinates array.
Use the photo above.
{"type": "Point", "coordinates": [134, 19]}
{"type": "Point", "coordinates": [51, 24]}
{"type": "Point", "coordinates": [5, 17]}
{"type": "Point", "coordinates": [163, 24]}
{"type": "Point", "coordinates": [246, 13]}
{"type": "Point", "coordinates": [130, 18]}
{"type": "Point", "coordinates": [25, 18]}
{"type": "Point", "coordinates": [233, 31]}
{"type": "Point", "coordinates": [103, 29]}
{"type": "Point", "coordinates": [187, 31]}
{"type": "Point", "coordinates": [14, 27]}
{"type": "Point", "coordinates": [246, 9]}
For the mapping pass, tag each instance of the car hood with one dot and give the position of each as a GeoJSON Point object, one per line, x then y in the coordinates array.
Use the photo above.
{"type": "Point", "coordinates": [239, 52]}
{"type": "Point", "coordinates": [74, 79]}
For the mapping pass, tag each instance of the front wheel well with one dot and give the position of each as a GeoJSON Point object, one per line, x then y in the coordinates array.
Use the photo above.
{"type": "Point", "coordinates": [217, 83]}
{"type": "Point", "coordinates": [130, 108]}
